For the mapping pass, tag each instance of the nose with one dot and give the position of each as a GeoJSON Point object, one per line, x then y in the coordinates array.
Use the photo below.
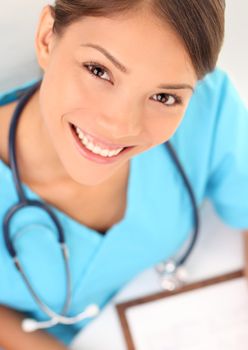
{"type": "Point", "coordinates": [122, 119]}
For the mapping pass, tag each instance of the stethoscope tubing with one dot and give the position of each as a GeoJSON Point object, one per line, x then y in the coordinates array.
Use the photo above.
{"type": "Point", "coordinates": [12, 140]}
{"type": "Point", "coordinates": [25, 202]}
{"type": "Point", "coordinates": [188, 186]}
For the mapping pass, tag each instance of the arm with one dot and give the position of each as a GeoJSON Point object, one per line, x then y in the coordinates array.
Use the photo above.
{"type": "Point", "coordinates": [13, 338]}
{"type": "Point", "coordinates": [245, 235]}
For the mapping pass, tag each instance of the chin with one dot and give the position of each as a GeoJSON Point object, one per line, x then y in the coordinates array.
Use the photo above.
{"type": "Point", "coordinates": [87, 175]}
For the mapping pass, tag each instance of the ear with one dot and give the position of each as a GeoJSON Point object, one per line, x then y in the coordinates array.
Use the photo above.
{"type": "Point", "coordinates": [44, 37]}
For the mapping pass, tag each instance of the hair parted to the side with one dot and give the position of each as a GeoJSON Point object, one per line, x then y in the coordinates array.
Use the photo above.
{"type": "Point", "coordinates": [199, 23]}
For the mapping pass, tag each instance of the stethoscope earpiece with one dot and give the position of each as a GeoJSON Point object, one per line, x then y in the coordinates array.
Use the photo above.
{"type": "Point", "coordinates": [30, 325]}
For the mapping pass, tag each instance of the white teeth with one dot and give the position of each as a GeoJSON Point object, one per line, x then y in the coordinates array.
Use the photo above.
{"type": "Point", "coordinates": [96, 149]}
{"type": "Point", "coordinates": [80, 134]}
{"type": "Point", "coordinates": [90, 146]}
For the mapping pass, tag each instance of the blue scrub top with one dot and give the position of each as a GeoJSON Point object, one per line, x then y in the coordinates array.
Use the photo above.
{"type": "Point", "coordinates": [212, 145]}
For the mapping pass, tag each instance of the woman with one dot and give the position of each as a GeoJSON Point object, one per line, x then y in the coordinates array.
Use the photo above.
{"type": "Point", "coordinates": [119, 78]}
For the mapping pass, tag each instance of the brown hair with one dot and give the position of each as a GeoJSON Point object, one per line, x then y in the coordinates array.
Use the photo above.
{"type": "Point", "coordinates": [199, 23]}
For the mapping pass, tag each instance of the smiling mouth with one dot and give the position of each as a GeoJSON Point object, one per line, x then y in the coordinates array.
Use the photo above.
{"type": "Point", "coordinates": [102, 156]}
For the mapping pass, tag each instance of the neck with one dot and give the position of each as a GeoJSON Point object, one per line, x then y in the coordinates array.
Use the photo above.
{"type": "Point", "coordinates": [38, 164]}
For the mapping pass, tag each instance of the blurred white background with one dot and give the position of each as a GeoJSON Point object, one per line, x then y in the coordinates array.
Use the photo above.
{"type": "Point", "coordinates": [18, 20]}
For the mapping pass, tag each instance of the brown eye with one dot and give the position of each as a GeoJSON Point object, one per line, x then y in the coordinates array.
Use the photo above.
{"type": "Point", "coordinates": [97, 71]}
{"type": "Point", "coordinates": [168, 99]}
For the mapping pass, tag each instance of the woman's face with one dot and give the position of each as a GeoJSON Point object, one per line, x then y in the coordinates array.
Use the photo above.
{"type": "Point", "coordinates": [122, 106]}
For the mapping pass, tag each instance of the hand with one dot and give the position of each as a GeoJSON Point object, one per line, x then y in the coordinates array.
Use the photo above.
{"type": "Point", "coordinates": [12, 337]}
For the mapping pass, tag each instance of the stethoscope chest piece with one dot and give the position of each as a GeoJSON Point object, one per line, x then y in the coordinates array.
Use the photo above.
{"type": "Point", "coordinates": [171, 276]}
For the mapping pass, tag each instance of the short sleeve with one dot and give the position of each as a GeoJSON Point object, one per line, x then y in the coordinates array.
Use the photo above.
{"type": "Point", "coordinates": [227, 185]}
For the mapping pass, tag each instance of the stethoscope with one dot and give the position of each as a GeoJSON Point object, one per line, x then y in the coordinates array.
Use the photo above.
{"type": "Point", "coordinates": [169, 271]}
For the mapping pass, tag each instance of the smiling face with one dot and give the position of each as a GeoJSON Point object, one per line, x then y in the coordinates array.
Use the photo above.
{"type": "Point", "coordinates": [139, 101]}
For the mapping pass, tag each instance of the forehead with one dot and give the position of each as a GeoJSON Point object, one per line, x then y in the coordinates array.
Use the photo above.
{"type": "Point", "coordinates": [138, 40]}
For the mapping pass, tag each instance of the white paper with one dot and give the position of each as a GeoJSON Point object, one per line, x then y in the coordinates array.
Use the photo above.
{"type": "Point", "coordinates": [209, 318]}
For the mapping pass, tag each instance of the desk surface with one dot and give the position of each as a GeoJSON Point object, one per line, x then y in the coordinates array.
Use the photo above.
{"type": "Point", "coordinates": [219, 250]}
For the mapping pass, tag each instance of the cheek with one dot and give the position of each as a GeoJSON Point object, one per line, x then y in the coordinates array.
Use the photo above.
{"type": "Point", "coordinates": [60, 96]}
{"type": "Point", "coordinates": [62, 93]}
{"type": "Point", "coordinates": [163, 128]}
{"type": "Point", "coordinates": [68, 101]}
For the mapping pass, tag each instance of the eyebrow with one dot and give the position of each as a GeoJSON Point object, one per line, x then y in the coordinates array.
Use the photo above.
{"type": "Point", "coordinates": [118, 65]}
{"type": "Point", "coordinates": [176, 87]}
{"type": "Point", "coordinates": [123, 69]}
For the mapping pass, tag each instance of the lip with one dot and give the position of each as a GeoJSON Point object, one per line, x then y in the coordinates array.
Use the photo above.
{"type": "Point", "coordinates": [100, 142]}
{"type": "Point", "coordinates": [96, 157]}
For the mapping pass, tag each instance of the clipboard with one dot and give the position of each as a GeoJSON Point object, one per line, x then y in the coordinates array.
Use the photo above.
{"type": "Point", "coordinates": [122, 308]}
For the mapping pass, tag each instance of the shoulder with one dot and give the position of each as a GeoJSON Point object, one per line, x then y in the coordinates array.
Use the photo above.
{"type": "Point", "coordinates": [9, 95]}
{"type": "Point", "coordinates": [215, 98]}
{"type": "Point", "coordinates": [216, 94]}
{"type": "Point", "coordinates": [213, 83]}
{"type": "Point", "coordinates": [210, 92]}
{"type": "Point", "coordinates": [216, 119]}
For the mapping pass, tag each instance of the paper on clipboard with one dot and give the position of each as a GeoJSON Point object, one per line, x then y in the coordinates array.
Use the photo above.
{"type": "Point", "coordinates": [211, 315]}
